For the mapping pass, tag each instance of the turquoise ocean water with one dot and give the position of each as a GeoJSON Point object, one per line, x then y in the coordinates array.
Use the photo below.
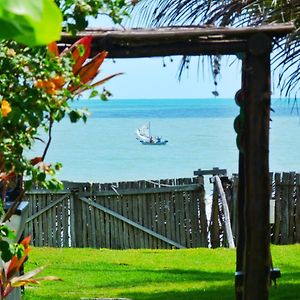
{"type": "Point", "coordinates": [200, 134]}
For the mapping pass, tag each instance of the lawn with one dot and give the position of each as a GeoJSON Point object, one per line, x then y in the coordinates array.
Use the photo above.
{"type": "Point", "coordinates": [152, 274]}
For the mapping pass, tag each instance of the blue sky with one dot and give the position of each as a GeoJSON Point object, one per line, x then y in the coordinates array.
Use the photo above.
{"type": "Point", "coordinates": [147, 78]}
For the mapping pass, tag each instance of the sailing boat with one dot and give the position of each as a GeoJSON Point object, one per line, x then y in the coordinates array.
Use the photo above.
{"type": "Point", "coordinates": [144, 136]}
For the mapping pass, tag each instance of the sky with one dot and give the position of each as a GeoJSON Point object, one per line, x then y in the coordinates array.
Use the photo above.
{"type": "Point", "coordinates": [148, 78]}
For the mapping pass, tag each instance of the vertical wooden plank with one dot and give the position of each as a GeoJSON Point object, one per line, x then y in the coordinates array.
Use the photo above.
{"type": "Point", "coordinates": [58, 227]}
{"type": "Point", "coordinates": [30, 212]}
{"type": "Point", "coordinates": [284, 209]}
{"type": "Point", "coordinates": [195, 226]}
{"type": "Point", "coordinates": [160, 217]}
{"type": "Point", "coordinates": [120, 240]}
{"type": "Point", "coordinates": [297, 207]}
{"type": "Point", "coordinates": [135, 213]}
{"type": "Point", "coordinates": [35, 222]}
{"type": "Point", "coordinates": [102, 223]}
{"type": "Point", "coordinates": [115, 237]}
{"type": "Point", "coordinates": [203, 219]}
{"type": "Point", "coordinates": [165, 210]}
{"type": "Point", "coordinates": [93, 227]}
{"type": "Point", "coordinates": [79, 228]}
{"type": "Point", "coordinates": [172, 211]}
{"type": "Point", "coordinates": [124, 212]}
{"type": "Point", "coordinates": [45, 219]}
{"type": "Point", "coordinates": [169, 212]}
{"type": "Point", "coordinates": [196, 213]}
{"type": "Point", "coordinates": [132, 232]}
{"type": "Point", "coordinates": [40, 221]}
{"type": "Point", "coordinates": [140, 204]}
{"type": "Point", "coordinates": [118, 235]}
{"type": "Point", "coordinates": [118, 231]}
{"type": "Point", "coordinates": [50, 223]}
{"type": "Point", "coordinates": [72, 220]}
{"type": "Point", "coordinates": [83, 224]}
{"type": "Point", "coordinates": [107, 225]}
{"type": "Point", "coordinates": [176, 224]}
{"type": "Point", "coordinates": [147, 214]}
{"type": "Point", "coordinates": [110, 221]}
{"type": "Point", "coordinates": [187, 209]}
{"type": "Point", "coordinates": [94, 190]}
{"type": "Point", "coordinates": [278, 204]}
{"type": "Point", "coordinates": [143, 217]}
{"type": "Point", "coordinates": [183, 239]}
{"type": "Point", "coordinates": [154, 224]}
{"type": "Point", "coordinates": [291, 208]}
{"type": "Point", "coordinates": [214, 228]}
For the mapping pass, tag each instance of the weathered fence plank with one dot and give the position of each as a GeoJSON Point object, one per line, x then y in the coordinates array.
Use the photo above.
{"type": "Point", "coordinates": [297, 210]}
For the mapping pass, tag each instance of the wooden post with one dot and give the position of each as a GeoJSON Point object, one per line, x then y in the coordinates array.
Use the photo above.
{"type": "Point", "coordinates": [257, 115]}
{"type": "Point", "coordinates": [241, 231]}
{"type": "Point", "coordinates": [240, 241]}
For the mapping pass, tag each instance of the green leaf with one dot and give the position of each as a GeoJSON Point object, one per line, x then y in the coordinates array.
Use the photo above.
{"type": "Point", "coordinates": [93, 94]}
{"type": "Point", "coordinates": [6, 254]}
{"type": "Point", "coordinates": [30, 22]}
{"type": "Point", "coordinates": [74, 116]}
{"type": "Point", "coordinates": [6, 232]}
{"type": "Point", "coordinates": [41, 176]}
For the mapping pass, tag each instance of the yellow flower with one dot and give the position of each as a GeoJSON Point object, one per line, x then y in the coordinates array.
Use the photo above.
{"type": "Point", "coordinates": [5, 108]}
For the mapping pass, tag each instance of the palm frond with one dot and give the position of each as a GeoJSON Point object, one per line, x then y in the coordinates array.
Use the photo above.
{"type": "Point", "coordinates": [156, 13]}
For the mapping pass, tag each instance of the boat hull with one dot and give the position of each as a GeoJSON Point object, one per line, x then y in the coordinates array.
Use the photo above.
{"type": "Point", "coordinates": [154, 143]}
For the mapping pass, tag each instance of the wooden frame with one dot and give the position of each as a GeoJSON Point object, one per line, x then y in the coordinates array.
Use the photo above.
{"type": "Point", "coordinates": [255, 45]}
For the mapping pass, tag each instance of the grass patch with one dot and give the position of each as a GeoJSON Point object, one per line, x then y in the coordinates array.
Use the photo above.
{"type": "Point", "coordinates": [152, 274]}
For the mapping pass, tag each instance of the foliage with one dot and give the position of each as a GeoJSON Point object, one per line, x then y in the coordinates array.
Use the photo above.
{"type": "Point", "coordinates": [30, 22]}
{"type": "Point", "coordinates": [10, 277]}
{"type": "Point", "coordinates": [37, 86]}
{"type": "Point", "coordinates": [153, 274]}
{"type": "Point", "coordinates": [76, 12]}
{"type": "Point", "coordinates": [234, 13]}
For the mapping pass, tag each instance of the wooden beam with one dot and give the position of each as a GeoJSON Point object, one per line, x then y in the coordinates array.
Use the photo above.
{"type": "Point", "coordinates": [256, 158]}
{"type": "Point", "coordinates": [178, 32]}
{"type": "Point", "coordinates": [157, 48]}
{"type": "Point", "coordinates": [133, 43]}
{"type": "Point", "coordinates": [213, 171]}
{"type": "Point", "coordinates": [157, 190]}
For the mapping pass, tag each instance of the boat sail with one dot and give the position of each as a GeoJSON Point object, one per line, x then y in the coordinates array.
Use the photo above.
{"type": "Point", "coordinates": [144, 136]}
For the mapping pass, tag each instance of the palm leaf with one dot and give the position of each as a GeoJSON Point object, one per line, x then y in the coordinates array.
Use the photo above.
{"type": "Point", "coordinates": [236, 13]}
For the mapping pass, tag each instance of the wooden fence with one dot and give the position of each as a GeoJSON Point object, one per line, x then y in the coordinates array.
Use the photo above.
{"type": "Point", "coordinates": [284, 190]}
{"type": "Point", "coordinates": [143, 214]}
{"type": "Point", "coordinates": [152, 214]}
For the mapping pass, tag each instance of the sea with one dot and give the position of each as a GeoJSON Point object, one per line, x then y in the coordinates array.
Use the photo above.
{"type": "Point", "coordinates": [200, 134]}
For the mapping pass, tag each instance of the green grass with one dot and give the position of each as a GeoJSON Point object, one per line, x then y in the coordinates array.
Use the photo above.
{"type": "Point", "coordinates": [152, 274]}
